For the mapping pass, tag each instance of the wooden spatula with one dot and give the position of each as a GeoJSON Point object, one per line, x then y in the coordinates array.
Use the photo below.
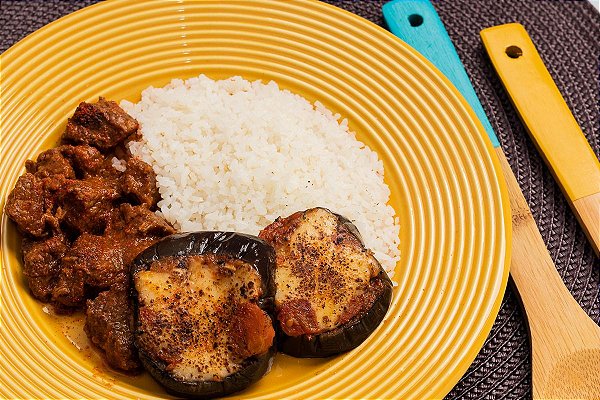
{"type": "Point", "coordinates": [565, 341]}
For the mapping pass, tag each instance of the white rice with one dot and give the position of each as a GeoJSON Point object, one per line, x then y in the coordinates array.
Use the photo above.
{"type": "Point", "coordinates": [235, 155]}
{"type": "Point", "coordinates": [119, 165]}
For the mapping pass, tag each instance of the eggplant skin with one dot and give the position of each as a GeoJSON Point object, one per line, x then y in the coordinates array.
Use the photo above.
{"type": "Point", "coordinates": [248, 248]}
{"type": "Point", "coordinates": [251, 249]}
{"type": "Point", "coordinates": [350, 334]}
{"type": "Point", "coordinates": [254, 369]}
{"type": "Point", "coordinates": [343, 338]}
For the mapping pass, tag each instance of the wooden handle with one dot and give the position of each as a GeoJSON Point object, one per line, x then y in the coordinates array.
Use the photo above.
{"type": "Point", "coordinates": [587, 210]}
{"type": "Point", "coordinates": [548, 120]}
{"type": "Point", "coordinates": [418, 24]}
{"type": "Point", "coordinates": [562, 334]}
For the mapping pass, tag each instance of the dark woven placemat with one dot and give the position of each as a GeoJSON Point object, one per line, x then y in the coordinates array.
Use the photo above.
{"type": "Point", "coordinates": [566, 34]}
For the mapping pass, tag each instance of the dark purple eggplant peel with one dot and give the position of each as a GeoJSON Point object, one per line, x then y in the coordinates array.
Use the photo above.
{"type": "Point", "coordinates": [245, 248]}
{"type": "Point", "coordinates": [343, 338]}
{"type": "Point", "coordinates": [321, 260]}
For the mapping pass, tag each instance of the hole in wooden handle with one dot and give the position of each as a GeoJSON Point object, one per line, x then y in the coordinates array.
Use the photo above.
{"type": "Point", "coordinates": [514, 51]}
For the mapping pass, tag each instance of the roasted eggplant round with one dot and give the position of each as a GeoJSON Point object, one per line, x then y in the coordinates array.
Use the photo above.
{"type": "Point", "coordinates": [202, 310]}
{"type": "Point", "coordinates": [331, 292]}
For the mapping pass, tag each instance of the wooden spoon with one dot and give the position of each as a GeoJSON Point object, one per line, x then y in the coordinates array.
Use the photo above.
{"type": "Point", "coordinates": [565, 341]}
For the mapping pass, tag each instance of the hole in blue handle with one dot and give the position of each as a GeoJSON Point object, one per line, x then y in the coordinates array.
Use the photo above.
{"type": "Point", "coordinates": [415, 20]}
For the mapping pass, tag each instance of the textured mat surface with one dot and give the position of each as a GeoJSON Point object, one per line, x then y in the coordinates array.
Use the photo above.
{"type": "Point", "coordinates": [566, 34]}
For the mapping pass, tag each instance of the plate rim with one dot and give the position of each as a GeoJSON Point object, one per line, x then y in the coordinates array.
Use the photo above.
{"type": "Point", "coordinates": [490, 318]}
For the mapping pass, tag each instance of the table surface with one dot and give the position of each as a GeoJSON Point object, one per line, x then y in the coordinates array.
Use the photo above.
{"type": "Point", "coordinates": [566, 34]}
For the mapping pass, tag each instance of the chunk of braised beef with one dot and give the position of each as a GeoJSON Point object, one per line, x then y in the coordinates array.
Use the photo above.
{"type": "Point", "coordinates": [86, 160]}
{"type": "Point", "coordinates": [98, 262]}
{"type": "Point", "coordinates": [141, 229]}
{"type": "Point", "coordinates": [87, 203]}
{"type": "Point", "coordinates": [139, 220]}
{"type": "Point", "coordinates": [53, 212]}
{"type": "Point", "coordinates": [102, 124]}
{"type": "Point", "coordinates": [25, 205]}
{"type": "Point", "coordinates": [49, 163]}
{"type": "Point", "coordinates": [139, 182]}
{"type": "Point", "coordinates": [69, 292]}
{"type": "Point", "coordinates": [93, 263]}
{"type": "Point", "coordinates": [135, 246]}
{"type": "Point", "coordinates": [41, 265]}
{"type": "Point", "coordinates": [89, 162]}
{"type": "Point", "coordinates": [109, 325]}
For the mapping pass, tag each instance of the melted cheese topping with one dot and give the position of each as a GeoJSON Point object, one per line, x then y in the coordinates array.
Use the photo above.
{"type": "Point", "coordinates": [316, 268]}
{"type": "Point", "coordinates": [184, 313]}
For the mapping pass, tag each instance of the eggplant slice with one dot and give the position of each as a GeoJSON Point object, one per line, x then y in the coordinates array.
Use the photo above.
{"type": "Point", "coordinates": [331, 292]}
{"type": "Point", "coordinates": [202, 310]}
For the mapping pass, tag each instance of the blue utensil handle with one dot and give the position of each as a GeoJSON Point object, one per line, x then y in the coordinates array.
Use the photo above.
{"type": "Point", "coordinates": [417, 23]}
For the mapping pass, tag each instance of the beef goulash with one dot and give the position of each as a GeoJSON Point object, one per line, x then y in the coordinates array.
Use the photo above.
{"type": "Point", "coordinates": [84, 216]}
{"type": "Point", "coordinates": [203, 312]}
{"type": "Point", "coordinates": [331, 293]}
{"type": "Point", "coordinates": [202, 304]}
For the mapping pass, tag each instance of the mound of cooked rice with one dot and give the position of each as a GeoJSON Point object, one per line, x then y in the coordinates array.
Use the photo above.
{"type": "Point", "coordinates": [235, 155]}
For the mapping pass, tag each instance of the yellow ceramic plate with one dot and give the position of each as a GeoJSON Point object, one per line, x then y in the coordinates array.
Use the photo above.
{"type": "Point", "coordinates": [439, 165]}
